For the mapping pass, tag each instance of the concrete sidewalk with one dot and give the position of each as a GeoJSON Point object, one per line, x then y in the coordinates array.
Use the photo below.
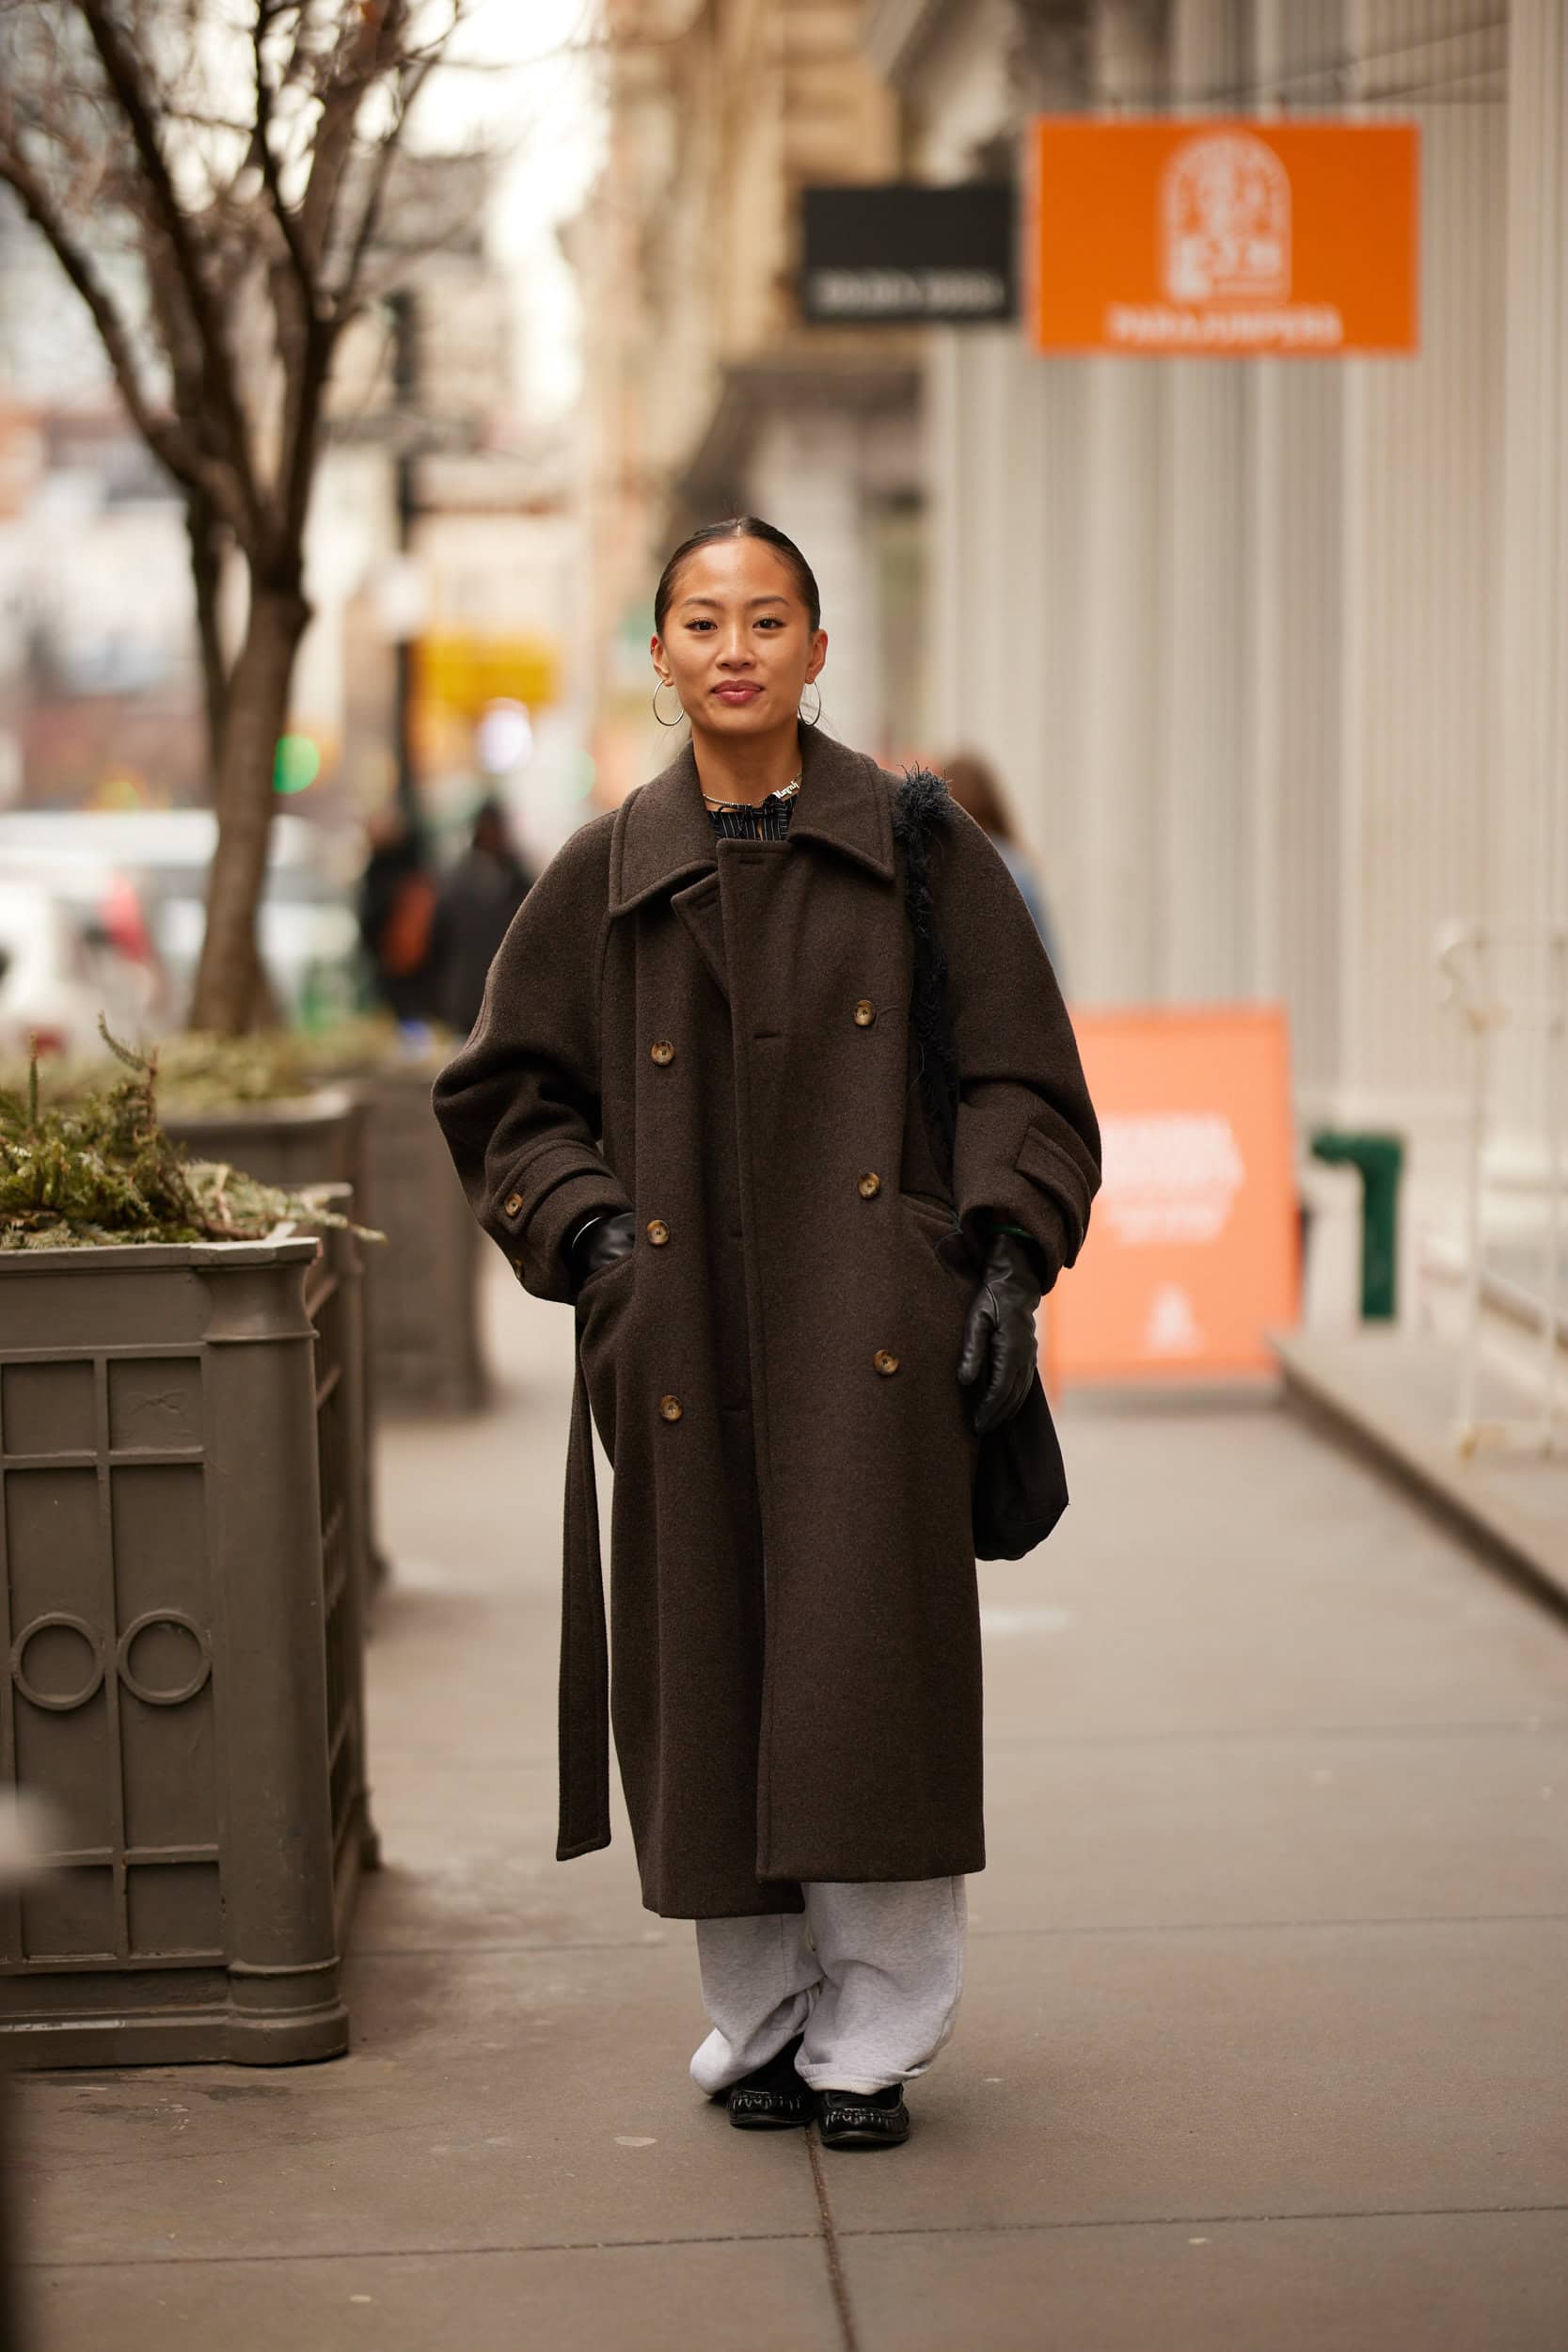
{"type": "Point", "coordinates": [1263, 2045]}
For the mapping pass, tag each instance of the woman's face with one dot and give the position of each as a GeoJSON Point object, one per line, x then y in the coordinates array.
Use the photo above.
{"type": "Point", "coordinates": [737, 646]}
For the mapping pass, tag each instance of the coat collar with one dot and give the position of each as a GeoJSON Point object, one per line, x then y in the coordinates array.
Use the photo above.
{"type": "Point", "coordinates": [663, 834]}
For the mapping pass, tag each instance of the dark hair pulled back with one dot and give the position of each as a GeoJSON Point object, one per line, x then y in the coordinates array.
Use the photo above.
{"type": "Point", "coordinates": [741, 527]}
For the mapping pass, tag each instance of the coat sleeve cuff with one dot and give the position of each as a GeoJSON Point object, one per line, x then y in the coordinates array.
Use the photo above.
{"type": "Point", "coordinates": [1006, 1180]}
{"type": "Point", "coordinates": [537, 1208]}
{"type": "Point", "coordinates": [1038, 1219]}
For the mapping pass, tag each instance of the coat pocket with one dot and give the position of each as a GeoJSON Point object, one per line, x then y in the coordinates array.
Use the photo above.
{"type": "Point", "coordinates": [937, 1224]}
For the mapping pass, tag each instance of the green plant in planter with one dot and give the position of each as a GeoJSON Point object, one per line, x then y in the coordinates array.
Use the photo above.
{"type": "Point", "coordinates": [197, 1073]}
{"type": "Point", "coordinates": [98, 1168]}
{"type": "Point", "coordinates": [200, 1075]}
{"type": "Point", "coordinates": [198, 1070]}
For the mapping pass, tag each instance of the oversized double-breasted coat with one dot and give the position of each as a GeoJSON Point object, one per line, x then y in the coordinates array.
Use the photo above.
{"type": "Point", "coordinates": [715, 1035]}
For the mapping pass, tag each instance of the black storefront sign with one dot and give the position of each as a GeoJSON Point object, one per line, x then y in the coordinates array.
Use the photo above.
{"type": "Point", "coordinates": [885, 256]}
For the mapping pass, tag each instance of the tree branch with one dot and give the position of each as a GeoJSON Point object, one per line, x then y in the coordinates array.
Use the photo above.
{"type": "Point", "coordinates": [163, 434]}
{"type": "Point", "coordinates": [363, 56]}
{"type": "Point", "coordinates": [300, 449]}
{"type": "Point", "coordinates": [363, 53]}
{"type": "Point", "coordinates": [122, 72]}
{"type": "Point", "coordinates": [345, 300]}
{"type": "Point", "coordinates": [267, 12]}
{"type": "Point", "coordinates": [206, 545]}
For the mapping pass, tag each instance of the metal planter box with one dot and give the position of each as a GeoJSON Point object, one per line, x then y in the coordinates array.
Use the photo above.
{"type": "Point", "coordinates": [315, 1139]}
{"type": "Point", "coordinates": [11, 1879]}
{"type": "Point", "coordinates": [181, 1618]}
{"type": "Point", "coordinates": [422, 1299]}
{"type": "Point", "coordinates": [377, 1132]}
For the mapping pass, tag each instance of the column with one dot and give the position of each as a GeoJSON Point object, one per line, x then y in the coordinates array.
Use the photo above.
{"type": "Point", "coordinates": [1531, 800]}
{"type": "Point", "coordinates": [1117, 932]}
{"type": "Point", "coordinates": [1204, 912]}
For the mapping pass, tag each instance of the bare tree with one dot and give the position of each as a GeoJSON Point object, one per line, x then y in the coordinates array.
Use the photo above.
{"type": "Point", "coordinates": [210, 174]}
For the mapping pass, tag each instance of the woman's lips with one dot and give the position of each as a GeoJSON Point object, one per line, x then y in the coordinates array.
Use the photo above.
{"type": "Point", "coordinates": [736, 693]}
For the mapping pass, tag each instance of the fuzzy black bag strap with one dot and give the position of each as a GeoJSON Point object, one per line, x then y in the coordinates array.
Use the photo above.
{"type": "Point", "coordinates": [1020, 1488]}
{"type": "Point", "coordinates": [922, 813]}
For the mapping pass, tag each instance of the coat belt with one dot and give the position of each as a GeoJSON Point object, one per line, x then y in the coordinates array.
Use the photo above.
{"type": "Point", "coordinates": [584, 1719]}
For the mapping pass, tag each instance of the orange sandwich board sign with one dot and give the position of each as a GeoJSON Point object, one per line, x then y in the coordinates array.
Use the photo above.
{"type": "Point", "coordinates": [1228, 239]}
{"type": "Point", "coordinates": [1192, 1258]}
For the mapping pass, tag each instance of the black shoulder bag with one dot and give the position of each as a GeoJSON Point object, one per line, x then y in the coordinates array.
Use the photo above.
{"type": "Point", "coordinates": [1020, 1481]}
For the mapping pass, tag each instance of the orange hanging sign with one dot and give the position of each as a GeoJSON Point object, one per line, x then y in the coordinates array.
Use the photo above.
{"type": "Point", "coordinates": [1192, 1258]}
{"type": "Point", "coordinates": [1200, 236]}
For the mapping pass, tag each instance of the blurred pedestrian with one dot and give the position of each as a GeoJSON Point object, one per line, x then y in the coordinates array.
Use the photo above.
{"type": "Point", "coordinates": [397, 915]}
{"type": "Point", "coordinates": [976, 786]}
{"type": "Point", "coordinates": [476, 903]}
{"type": "Point", "coordinates": [691, 1107]}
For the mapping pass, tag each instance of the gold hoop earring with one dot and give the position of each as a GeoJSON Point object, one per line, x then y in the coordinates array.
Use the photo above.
{"type": "Point", "coordinates": [812, 719]}
{"type": "Point", "coordinates": [657, 713]}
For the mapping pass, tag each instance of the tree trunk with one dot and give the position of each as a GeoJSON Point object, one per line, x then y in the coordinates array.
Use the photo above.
{"type": "Point", "coordinates": [206, 544]}
{"type": "Point", "coordinates": [229, 981]}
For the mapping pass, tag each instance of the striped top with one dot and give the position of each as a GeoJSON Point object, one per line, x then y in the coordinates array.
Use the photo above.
{"type": "Point", "coordinates": [768, 821]}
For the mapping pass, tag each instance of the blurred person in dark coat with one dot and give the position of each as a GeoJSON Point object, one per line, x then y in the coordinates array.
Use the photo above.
{"type": "Point", "coordinates": [397, 913]}
{"type": "Point", "coordinates": [476, 905]}
{"type": "Point", "coordinates": [974, 784]}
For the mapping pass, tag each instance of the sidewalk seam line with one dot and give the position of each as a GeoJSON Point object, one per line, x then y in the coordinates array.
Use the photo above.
{"type": "Point", "coordinates": [837, 2282]}
{"type": "Point", "coordinates": [412, 2253]}
{"type": "Point", "coordinates": [1116, 1926]}
{"type": "Point", "coordinates": [1292, 1927]}
{"type": "Point", "coordinates": [1489, 1727]}
{"type": "Point", "coordinates": [789, 2237]}
{"type": "Point", "coordinates": [1199, 2220]}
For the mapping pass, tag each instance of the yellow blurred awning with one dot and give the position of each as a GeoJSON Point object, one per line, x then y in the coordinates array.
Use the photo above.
{"type": "Point", "coordinates": [466, 672]}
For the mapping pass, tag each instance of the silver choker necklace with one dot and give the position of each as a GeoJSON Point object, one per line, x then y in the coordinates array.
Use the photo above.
{"type": "Point", "coordinates": [785, 792]}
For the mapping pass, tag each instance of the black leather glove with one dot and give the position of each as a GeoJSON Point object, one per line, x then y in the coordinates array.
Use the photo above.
{"type": "Point", "coordinates": [599, 1243]}
{"type": "Point", "coordinates": [999, 1336]}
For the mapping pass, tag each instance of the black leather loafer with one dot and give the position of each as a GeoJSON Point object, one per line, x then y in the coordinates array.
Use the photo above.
{"type": "Point", "coordinates": [772, 2098]}
{"type": "Point", "coordinates": [862, 2119]}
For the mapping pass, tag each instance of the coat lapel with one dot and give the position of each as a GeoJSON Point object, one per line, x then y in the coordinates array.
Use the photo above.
{"type": "Point", "coordinates": [662, 835]}
{"type": "Point", "coordinates": [843, 803]}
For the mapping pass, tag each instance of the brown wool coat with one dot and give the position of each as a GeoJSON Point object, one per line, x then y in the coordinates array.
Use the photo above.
{"type": "Point", "coordinates": [715, 1035]}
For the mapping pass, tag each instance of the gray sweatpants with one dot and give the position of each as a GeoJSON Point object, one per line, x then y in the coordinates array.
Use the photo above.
{"type": "Point", "coordinates": [871, 1975]}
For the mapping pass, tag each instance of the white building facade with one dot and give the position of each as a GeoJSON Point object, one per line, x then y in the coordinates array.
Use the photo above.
{"type": "Point", "coordinates": [1271, 653]}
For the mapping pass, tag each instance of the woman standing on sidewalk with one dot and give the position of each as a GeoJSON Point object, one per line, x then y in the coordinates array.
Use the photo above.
{"type": "Point", "coordinates": [696, 1103]}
